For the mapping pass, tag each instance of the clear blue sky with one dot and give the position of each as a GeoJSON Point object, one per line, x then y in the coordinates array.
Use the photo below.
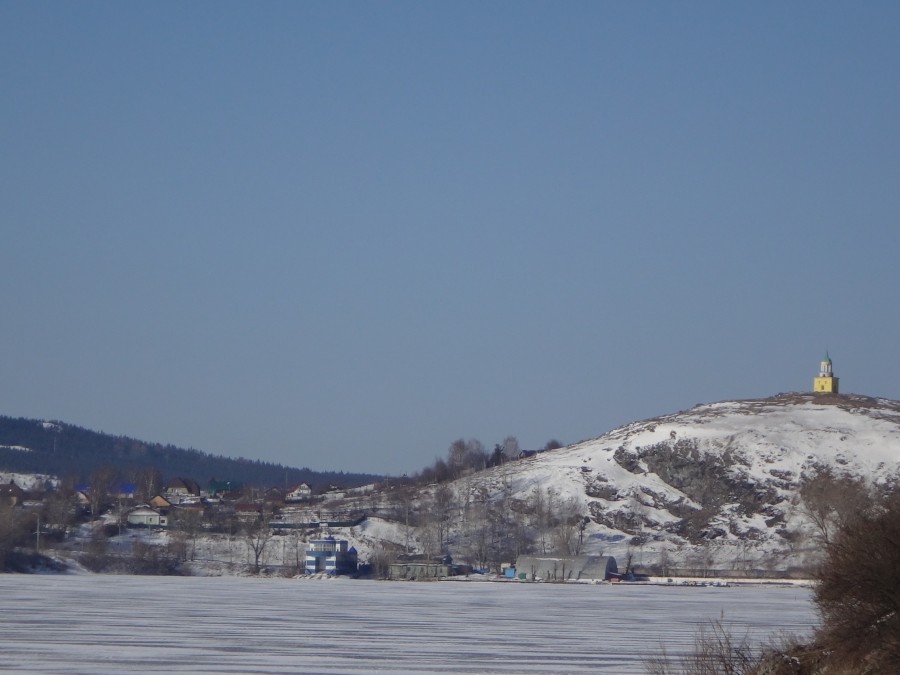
{"type": "Point", "coordinates": [341, 235]}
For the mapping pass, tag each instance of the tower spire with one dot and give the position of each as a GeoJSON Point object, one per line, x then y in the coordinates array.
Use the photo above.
{"type": "Point", "coordinates": [826, 382]}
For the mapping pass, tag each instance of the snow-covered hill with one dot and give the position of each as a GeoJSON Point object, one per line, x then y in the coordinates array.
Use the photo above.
{"type": "Point", "coordinates": [713, 487]}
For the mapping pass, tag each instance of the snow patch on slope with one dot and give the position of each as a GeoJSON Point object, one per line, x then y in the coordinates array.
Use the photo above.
{"type": "Point", "coordinates": [28, 481]}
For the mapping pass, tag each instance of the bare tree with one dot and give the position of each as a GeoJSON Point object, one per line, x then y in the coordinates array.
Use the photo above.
{"type": "Point", "coordinates": [58, 511]}
{"type": "Point", "coordinates": [96, 551]}
{"type": "Point", "coordinates": [555, 521]}
{"type": "Point", "coordinates": [476, 456]}
{"type": "Point", "coordinates": [716, 652]}
{"type": "Point", "coordinates": [830, 501]}
{"type": "Point", "coordinates": [399, 505]}
{"type": "Point", "coordinates": [568, 530]}
{"type": "Point", "coordinates": [540, 506]}
{"type": "Point", "coordinates": [12, 531]}
{"type": "Point", "coordinates": [510, 526]}
{"type": "Point", "coordinates": [102, 481]}
{"type": "Point", "coordinates": [187, 523]}
{"type": "Point", "coordinates": [664, 560]}
{"type": "Point", "coordinates": [511, 447]}
{"type": "Point", "coordinates": [476, 528]}
{"type": "Point", "coordinates": [146, 558]}
{"type": "Point", "coordinates": [257, 534]}
{"type": "Point", "coordinates": [431, 514]}
{"type": "Point", "coordinates": [147, 483]}
{"type": "Point", "coordinates": [465, 456]}
{"type": "Point", "coordinates": [858, 592]}
{"type": "Point", "coordinates": [381, 559]}
{"type": "Point", "coordinates": [857, 598]}
{"type": "Point", "coordinates": [439, 515]}
{"type": "Point", "coordinates": [456, 457]}
{"type": "Point", "coordinates": [442, 472]}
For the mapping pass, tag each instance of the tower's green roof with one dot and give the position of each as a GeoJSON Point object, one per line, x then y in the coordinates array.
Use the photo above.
{"type": "Point", "coordinates": [827, 358]}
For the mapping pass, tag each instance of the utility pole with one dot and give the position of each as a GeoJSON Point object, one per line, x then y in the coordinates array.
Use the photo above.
{"type": "Point", "coordinates": [37, 534]}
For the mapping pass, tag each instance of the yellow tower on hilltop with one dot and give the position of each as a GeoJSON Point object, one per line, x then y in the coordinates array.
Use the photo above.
{"type": "Point", "coordinates": [826, 382]}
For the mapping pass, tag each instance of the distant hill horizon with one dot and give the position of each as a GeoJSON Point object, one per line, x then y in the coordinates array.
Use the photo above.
{"type": "Point", "coordinates": [69, 451]}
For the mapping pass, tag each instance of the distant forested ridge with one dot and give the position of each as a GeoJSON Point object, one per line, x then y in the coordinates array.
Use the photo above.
{"type": "Point", "coordinates": [65, 450]}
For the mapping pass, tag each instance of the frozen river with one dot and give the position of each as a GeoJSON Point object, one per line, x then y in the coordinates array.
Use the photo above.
{"type": "Point", "coordinates": [91, 624]}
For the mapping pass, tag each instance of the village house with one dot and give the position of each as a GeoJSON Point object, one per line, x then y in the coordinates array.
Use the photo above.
{"type": "Point", "coordinates": [180, 490]}
{"type": "Point", "coordinates": [144, 516]}
{"type": "Point", "coordinates": [273, 495]}
{"type": "Point", "coordinates": [160, 503]}
{"type": "Point", "coordinates": [223, 489]}
{"type": "Point", "coordinates": [335, 492]}
{"type": "Point", "coordinates": [125, 491]}
{"type": "Point", "coordinates": [11, 494]}
{"type": "Point", "coordinates": [298, 493]}
{"type": "Point", "coordinates": [82, 498]}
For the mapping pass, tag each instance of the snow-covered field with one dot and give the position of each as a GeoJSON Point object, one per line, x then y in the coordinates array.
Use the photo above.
{"type": "Point", "coordinates": [93, 623]}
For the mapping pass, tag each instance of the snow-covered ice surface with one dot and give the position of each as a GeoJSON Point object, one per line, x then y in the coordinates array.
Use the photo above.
{"type": "Point", "coordinates": [94, 624]}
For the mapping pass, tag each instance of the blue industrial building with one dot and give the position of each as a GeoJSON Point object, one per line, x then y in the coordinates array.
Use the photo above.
{"type": "Point", "coordinates": [331, 556]}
